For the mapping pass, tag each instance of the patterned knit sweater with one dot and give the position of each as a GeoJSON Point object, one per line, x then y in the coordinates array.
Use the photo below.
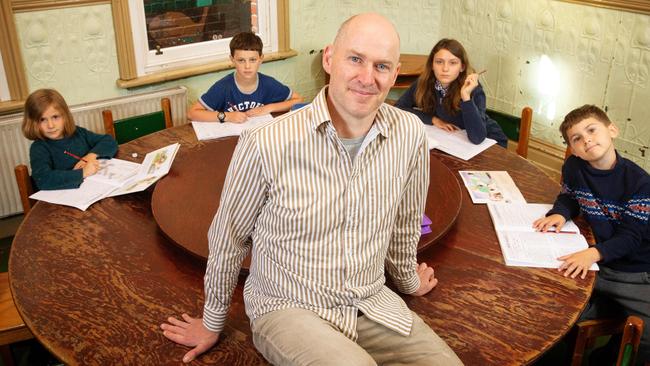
{"type": "Point", "coordinates": [616, 203]}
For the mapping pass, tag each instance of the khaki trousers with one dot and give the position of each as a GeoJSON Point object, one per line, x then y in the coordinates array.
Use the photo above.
{"type": "Point", "coordinates": [300, 337]}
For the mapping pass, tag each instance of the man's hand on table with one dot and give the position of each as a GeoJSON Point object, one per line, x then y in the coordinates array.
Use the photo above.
{"type": "Point", "coordinates": [189, 332]}
{"type": "Point", "coordinates": [427, 279]}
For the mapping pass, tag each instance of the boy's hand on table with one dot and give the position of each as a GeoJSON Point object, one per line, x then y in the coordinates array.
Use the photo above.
{"type": "Point", "coordinates": [258, 111]}
{"type": "Point", "coordinates": [546, 223]}
{"type": "Point", "coordinates": [236, 117]}
{"type": "Point", "coordinates": [578, 263]}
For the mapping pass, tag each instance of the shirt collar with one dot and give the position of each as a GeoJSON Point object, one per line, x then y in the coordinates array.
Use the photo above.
{"type": "Point", "coordinates": [438, 86]}
{"type": "Point", "coordinates": [321, 115]}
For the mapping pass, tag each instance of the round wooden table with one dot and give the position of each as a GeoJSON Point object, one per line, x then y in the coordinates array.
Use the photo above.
{"type": "Point", "coordinates": [185, 201]}
{"type": "Point", "coordinates": [94, 286]}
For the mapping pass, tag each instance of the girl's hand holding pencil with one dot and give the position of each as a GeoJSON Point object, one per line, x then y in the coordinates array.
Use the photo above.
{"type": "Point", "coordinates": [471, 82]}
{"type": "Point", "coordinates": [88, 163]}
{"type": "Point", "coordinates": [90, 168]}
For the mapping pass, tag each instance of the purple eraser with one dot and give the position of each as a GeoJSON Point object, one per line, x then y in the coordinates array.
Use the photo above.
{"type": "Point", "coordinates": [426, 229]}
{"type": "Point", "coordinates": [426, 220]}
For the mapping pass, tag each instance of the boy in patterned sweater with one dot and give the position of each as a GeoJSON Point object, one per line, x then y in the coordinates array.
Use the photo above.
{"type": "Point", "coordinates": [613, 195]}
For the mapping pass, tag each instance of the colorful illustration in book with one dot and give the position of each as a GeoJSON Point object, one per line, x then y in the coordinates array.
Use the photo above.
{"type": "Point", "coordinates": [157, 161]}
{"type": "Point", "coordinates": [483, 187]}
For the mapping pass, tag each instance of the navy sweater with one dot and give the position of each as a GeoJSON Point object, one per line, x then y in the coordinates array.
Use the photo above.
{"type": "Point", "coordinates": [471, 116]}
{"type": "Point", "coordinates": [616, 203]}
{"type": "Point", "coordinates": [52, 169]}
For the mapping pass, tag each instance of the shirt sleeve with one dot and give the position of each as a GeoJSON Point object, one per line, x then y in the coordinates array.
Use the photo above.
{"type": "Point", "coordinates": [45, 175]}
{"type": "Point", "coordinates": [407, 102]}
{"type": "Point", "coordinates": [215, 98]}
{"type": "Point", "coordinates": [276, 91]}
{"type": "Point", "coordinates": [474, 117]}
{"type": "Point", "coordinates": [104, 146]}
{"type": "Point", "coordinates": [401, 259]}
{"type": "Point", "coordinates": [630, 232]}
{"type": "Point", "coordinates": [243, 196]}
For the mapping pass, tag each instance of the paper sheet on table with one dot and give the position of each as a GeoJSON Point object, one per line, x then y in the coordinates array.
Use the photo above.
{"type": "Point", "coordinates": [88, 193]}
{"type": "Point", "coordinates": [215, 130]}
{"type": "Point", "coordinates": [456, 143]}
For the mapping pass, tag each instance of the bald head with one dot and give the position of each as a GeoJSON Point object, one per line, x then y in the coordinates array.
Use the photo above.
{"type": "Point", "coordinates": [363, 64]}
{"type": "Point", "coordinates": [372, 23]}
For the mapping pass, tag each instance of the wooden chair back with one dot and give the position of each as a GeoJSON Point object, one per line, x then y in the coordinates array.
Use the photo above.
{"type": "Point", "coordinates": [25, 187]}
{"type": "Point", "coordinates": [515, 128]}
{"type": "Point", "coordinates": [131, 128]}
{"type": "Point", "coordinates": [589, 330]}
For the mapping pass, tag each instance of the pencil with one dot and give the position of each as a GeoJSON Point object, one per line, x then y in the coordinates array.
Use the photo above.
{"type": "Point", "coordinates": [75, 156]}
{"type": "Point", "coordinates": [482, 72]}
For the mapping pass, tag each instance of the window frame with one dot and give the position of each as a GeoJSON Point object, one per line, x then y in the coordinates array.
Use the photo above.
{"type": "Point", "coordinates": [636, 6]}
{"type": "Point", "coordinates": [131, 71]}
{"type": "Point", "coordinates": [12, 61]}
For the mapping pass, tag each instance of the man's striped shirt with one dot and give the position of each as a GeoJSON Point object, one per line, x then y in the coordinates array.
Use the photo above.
{"type": "Point", "coordinates": [324, 228]}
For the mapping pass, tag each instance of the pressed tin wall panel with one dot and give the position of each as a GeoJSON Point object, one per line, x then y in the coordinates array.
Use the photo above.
{"type": "Point", "coordinates": [72, 50]}
{"type": "Point", "coordinates": [555, 56]}
{"type": "Point", "coordinates": [548, 54]}
{"type": "Point", "coordinates": [78, 56]}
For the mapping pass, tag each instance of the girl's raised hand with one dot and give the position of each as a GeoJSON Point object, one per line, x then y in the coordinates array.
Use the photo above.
{"type": "Point", "coordinates": [471, 82]}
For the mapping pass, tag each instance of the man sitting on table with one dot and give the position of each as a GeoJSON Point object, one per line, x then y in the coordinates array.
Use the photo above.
{"type": "Point", "coordinates": [332, 196]}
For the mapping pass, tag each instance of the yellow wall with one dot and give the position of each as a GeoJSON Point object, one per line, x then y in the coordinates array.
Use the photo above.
{"type": "Point", "coordinates": [78, 56]}
{"type": "Point", "coordinates": [600, 56]}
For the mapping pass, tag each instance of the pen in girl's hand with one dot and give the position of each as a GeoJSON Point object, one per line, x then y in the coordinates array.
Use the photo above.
{"type": "Point", "coordinates": [75, 156]}
{"type": "Point", "coordinates": [482, 72]}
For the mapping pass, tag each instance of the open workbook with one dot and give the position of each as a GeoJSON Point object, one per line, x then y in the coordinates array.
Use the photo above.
{"type": "Point", "coordinates": [215, 130]}
{"type": "Point", "coordinates": [491, 186]}
{"type": "Point", "coordinates": [522, 246]}
{"type": "Point", "coordinates": [114, 177]}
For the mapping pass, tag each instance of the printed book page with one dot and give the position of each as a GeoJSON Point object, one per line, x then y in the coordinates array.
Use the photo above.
{"type": "Point", "coordinates": [114, 171]}
{"type": "Point", "coordinates": [456, 143]}
{"type": "Point", "coordinates": [535, 249]}
{"type": "Point", "coordinates": [491, 187]}
{"type": "Point", "coordinates": [215, 130]}
{"type": "Point", "coordinates": [520, 216]}
{"type": "Point", "coordinates": [155, 165]}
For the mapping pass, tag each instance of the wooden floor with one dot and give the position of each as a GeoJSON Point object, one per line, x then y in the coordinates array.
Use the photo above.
{"type": "Point", "coordinates": [9, 225]}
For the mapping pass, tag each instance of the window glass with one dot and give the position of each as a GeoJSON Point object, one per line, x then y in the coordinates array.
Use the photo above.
{"type": "Point", "coordinates": [172, 23]}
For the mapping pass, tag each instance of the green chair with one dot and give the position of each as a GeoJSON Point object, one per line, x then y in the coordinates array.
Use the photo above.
{"type": "Point", "coordinates": [515, 128]}
{"type": "Point", "coordinates": [130, 128]}
{"type": "Point", "coordinates": [589, 330]}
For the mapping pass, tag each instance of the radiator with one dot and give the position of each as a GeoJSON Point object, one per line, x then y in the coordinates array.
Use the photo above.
{"type": "Point", "coordinates": [14, 147]}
